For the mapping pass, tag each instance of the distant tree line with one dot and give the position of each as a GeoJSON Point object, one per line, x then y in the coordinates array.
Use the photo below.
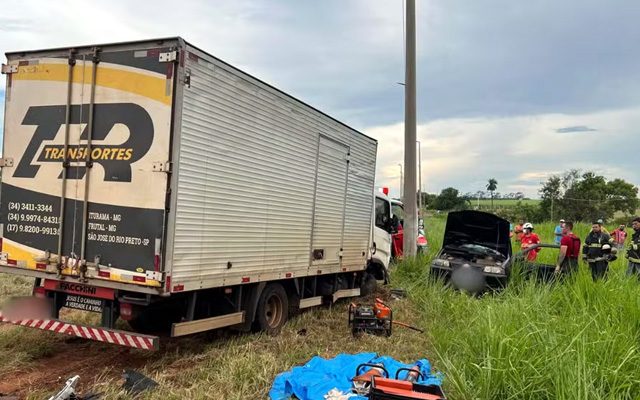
{"type": "Point", "coordinates": [486, 195]}
{"type": "Point", "coordinates": [587, 196]}
{"type": "Point", "coordinates": [574, 195]}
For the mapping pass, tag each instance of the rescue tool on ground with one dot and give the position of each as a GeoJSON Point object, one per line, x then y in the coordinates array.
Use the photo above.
{"type": "Point", "coordinates": [375, 383]}
{"type": "Point", "coordinates": [374, 320]}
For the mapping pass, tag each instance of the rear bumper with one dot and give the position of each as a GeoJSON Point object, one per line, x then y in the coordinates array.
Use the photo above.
{"type": "Point", "coordinates": [111, 336]}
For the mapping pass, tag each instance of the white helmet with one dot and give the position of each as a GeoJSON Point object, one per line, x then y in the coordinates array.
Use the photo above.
{"type": "Point", "coordinates": [528, 225]}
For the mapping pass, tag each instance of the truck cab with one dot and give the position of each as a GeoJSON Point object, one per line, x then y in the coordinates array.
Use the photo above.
{"type": "Point", "coordinates": [397, 237]}
{"type": "Point", "coordinates": [382, 229]}
{"type": "Point", "coordinates": [388, 234]}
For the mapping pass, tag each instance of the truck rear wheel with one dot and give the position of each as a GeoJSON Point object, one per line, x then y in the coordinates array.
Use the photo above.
{"type": "Point", "coordinates": [273, 309]}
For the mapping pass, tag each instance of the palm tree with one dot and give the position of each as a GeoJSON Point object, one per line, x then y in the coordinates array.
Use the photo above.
{"type": "Point", "coordinates": [491, 187]}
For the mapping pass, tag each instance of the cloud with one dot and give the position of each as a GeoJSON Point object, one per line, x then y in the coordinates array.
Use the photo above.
{"type": "Point", "coordinates": [520, 151]}
{"type": "Point", "coordinates": [576, 129]}
{"type": "Point", "coordinates": [11, 24]}
{"type": "Point", "coordinates": [475, 59]}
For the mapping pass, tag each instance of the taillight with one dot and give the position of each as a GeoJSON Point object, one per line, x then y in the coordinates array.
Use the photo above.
{"type": "Point", "coordinates": [0, 244]}
{"type": "Point", "coordinates": [126, 311]}
{"type": "Point", "coordinates": [156, 255]}
{"type": "Point", "coordinates": [39, 292]}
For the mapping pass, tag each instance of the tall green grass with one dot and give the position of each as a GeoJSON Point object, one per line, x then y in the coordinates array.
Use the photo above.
{"type": "Point", "coordinates": [575, 340]}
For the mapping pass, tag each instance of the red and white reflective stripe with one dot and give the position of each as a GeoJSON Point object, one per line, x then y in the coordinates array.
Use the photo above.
{"type": "Point", "coordinates": [122, 338]}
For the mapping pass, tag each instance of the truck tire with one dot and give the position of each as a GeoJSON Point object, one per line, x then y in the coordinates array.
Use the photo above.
{"type": "Point", "coordinates": [273, 309]}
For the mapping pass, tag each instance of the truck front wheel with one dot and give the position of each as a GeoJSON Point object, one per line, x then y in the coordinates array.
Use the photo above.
{"type": "Point", "coordinates": [273, 309]}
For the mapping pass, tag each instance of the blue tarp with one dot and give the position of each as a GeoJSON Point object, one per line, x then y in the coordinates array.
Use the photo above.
{"type": "Point", "coordinates": [316, 378]}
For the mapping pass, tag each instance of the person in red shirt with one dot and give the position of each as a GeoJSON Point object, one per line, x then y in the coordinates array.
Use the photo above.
{"type": "Point", "coordinates": [619, 236]}
{"type": "Point", "coordinates": [529, 239]}
{"type": "Point", "coordinates": [569, 251]}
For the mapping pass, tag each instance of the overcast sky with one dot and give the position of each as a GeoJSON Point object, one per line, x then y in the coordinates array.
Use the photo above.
{"type": "Point", "coordinates": [508, 89]}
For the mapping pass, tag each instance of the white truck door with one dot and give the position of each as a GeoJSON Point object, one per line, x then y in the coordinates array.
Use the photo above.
{"type": "Point", "coordinates": [381, 237]}
{"type": "Point", "coordinates": [331, 189]}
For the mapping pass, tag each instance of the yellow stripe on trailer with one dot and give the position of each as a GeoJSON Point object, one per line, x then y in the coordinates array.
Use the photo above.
{"type": "Point", "coordinates": [128, 81]}
{"type": "Point", "coordinates": [19, 254]}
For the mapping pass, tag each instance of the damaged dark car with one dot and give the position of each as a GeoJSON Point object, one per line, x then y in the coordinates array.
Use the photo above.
{"type": "Point", "coordinates": [476, 251]}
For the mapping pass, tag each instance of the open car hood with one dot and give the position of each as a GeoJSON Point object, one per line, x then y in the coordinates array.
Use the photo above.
{"type": "Point", "coordinates": [479, 228]}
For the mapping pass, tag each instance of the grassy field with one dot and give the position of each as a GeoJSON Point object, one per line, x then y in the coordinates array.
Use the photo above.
{"type": "Point", "coordinates": [578, 340]}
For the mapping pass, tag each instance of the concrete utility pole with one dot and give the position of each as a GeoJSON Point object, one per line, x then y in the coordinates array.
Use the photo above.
{"type": "Point", "coordinates": [411, 211]}
{"type": "Point", "coordinates": [401, 183]}
{"type": "Point", "coordinates": [419, 179]}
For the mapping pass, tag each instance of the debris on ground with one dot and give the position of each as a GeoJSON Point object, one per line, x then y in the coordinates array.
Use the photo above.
{"type": "Point", "coordinates": [320, 377]}
{"type": "Point", "coordinates": [335, 394]}
{"type": "Point", "coordinates": [136, 382]}
{"type": "Point", "coordinates": [69, 392]}
{"type": "Point", "coordinates": [398, 293]}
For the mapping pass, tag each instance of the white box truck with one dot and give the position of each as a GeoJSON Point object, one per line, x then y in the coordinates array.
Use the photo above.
{"type": "Point", "coordinates": [152, 182]}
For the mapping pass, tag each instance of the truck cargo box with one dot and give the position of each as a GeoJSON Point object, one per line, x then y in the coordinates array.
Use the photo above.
{"type": "Point", "coordinates": [155, 167]}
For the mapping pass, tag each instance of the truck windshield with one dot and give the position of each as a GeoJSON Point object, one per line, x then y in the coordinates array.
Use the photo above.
{"type": "Point", "coordinates": [398, 211]}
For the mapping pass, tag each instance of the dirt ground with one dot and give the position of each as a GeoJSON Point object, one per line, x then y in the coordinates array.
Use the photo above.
{"type": "Point", "coordinates": [98, 363]}
{"type": "Point", "coordinates": [221, 364]}
{"type": "Point", "coordinates": [71, 357]}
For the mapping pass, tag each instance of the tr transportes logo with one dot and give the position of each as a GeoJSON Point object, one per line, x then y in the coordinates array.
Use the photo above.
{"type": "Point", "coordinates": [115, 159]}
